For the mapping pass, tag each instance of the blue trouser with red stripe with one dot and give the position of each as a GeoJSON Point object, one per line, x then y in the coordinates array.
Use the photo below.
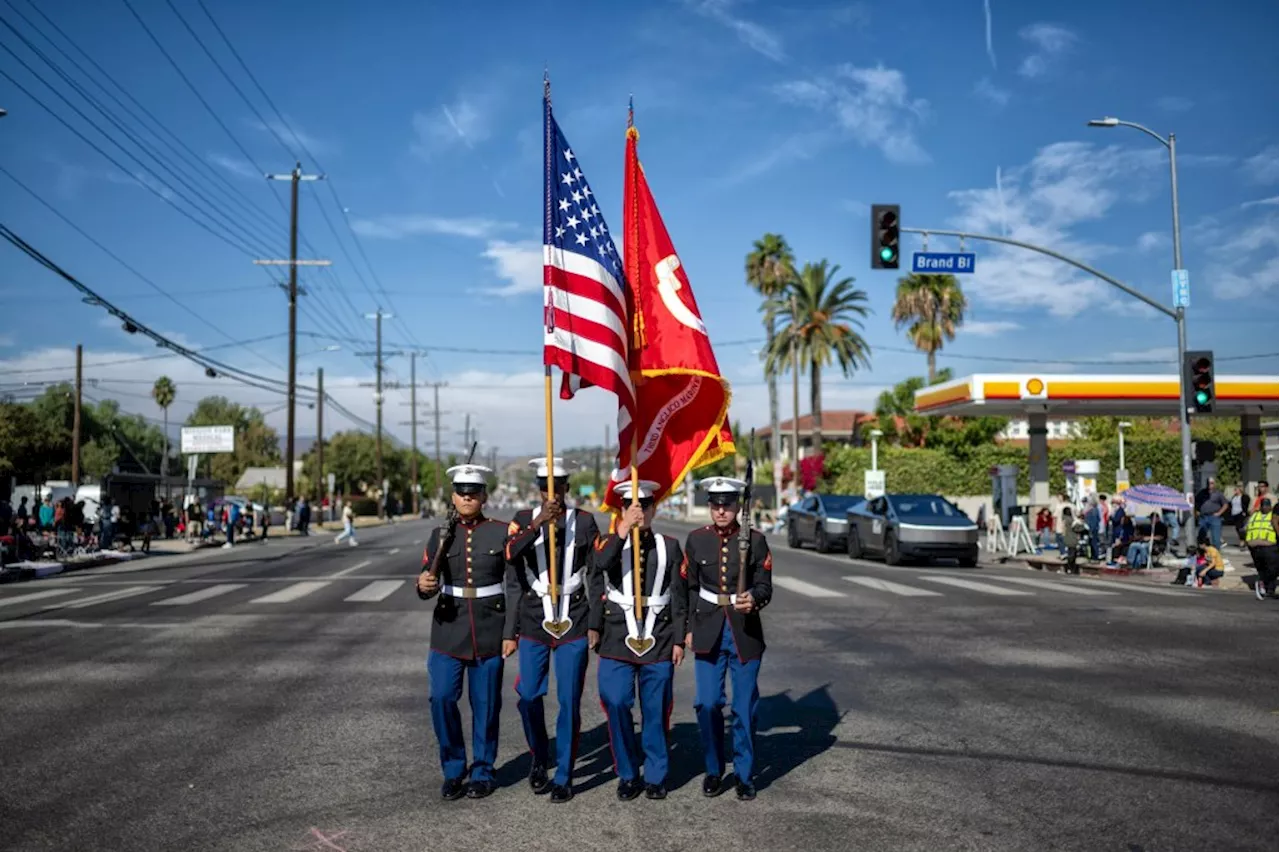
{"type": "Point", "coordinates": [571, 671]}
{"type": "Point", "coordinates": [484, 692]}
{"type": "Point", "coordinates": [709, 672]}
{"type": "Point", "coordinates": [618, 695]}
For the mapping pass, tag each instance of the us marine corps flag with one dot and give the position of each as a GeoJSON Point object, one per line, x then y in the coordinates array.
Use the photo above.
{"type": "Point", "coordinates": [681, 398]}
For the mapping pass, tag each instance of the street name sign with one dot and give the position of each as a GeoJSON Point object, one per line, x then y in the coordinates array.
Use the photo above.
{"type": "Point", "coordinates": [940, 261]}
{"type": "Point", "coordinates": [872, 484]}
{"type": "Point", "coordinates": [1181, 288]}
{"type": "Point", "coordinates": [208, 439]}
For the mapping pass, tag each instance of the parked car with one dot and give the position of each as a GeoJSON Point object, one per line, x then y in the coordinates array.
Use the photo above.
{"type": "Point", "coordinates": [820, 520]}
{"type": "Point", "coordinates": [912, 526]}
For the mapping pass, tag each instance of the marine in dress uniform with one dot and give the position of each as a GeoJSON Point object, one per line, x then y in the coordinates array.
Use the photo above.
{"type": "Point", "coordinates": [643, 652]}
{"type": "Point", "coordinates": [468, 624]}
{"type": "Point", "coordinates": [550, 632]}
{"type": "Point", "coordinates": [726, 632]}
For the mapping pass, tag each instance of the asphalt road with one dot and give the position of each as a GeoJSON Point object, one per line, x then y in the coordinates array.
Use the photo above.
{"type": "Point", "coordinates": [275, 698]}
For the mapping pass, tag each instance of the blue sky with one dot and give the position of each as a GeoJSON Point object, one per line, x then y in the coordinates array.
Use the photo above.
{"type": "Point", "coordinates": [754, 116]}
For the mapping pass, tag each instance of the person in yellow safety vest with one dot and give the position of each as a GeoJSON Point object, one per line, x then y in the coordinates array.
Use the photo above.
{"type": "Point", "coordinates": [1260, 537]}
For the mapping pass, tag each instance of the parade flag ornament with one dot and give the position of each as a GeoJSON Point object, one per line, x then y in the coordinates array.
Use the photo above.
{"type": "Point", "coordinates": [681, 399]}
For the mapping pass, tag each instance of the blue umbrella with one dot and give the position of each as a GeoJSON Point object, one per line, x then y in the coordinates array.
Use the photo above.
{"type": "Point", "coordinates": [1156, 496]}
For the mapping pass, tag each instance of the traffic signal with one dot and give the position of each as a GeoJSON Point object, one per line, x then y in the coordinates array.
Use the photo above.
{"type": "Point", "coordinates": [1201, 395]}
{"type": "Point", "coordinates": [884, 236]}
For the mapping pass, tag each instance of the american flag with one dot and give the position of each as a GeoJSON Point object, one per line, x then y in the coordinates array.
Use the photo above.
{"type": "Point", "coordinates": [585, 297]}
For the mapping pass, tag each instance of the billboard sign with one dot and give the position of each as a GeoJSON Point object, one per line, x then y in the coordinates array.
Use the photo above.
{"type": "Point", "coordinates": [208, 439]}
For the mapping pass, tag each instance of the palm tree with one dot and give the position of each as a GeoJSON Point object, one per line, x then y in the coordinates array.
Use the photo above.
{"type": "Point", "coordinates": [164, 392]}
{"type": "Point", "coordinates": [770, 265]}
{"type": "Point", "coordinates": [932, 307]}
{"type": "Point", "coordinates": [824, 328]}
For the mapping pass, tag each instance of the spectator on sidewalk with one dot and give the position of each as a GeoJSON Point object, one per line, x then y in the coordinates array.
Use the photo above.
{"type": "Point", "coordinates": [1072, 528]}
{"type": "Point", "coordinates": [1139, 552]}
{"type": "Point", "coordinates": [348, 526]}
{"type": "Point", "coordinates": [1261, 538]}
{"type": "Point", "coordinates": [1093, 523]}
{"type": "Point", "coordinates": [1212, 508]}
{"type": "Point", "coordinates": [1260, 493]}
{"type": "Point", "coordinates": [1044, 527]}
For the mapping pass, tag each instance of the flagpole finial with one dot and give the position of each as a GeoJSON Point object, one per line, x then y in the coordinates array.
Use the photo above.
{"type": "Point", "coordinates": [632, 133]}
{"type": "Point", "coordinates": [546, 84]}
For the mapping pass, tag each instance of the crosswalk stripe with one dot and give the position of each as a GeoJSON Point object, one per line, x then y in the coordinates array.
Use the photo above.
{"type": "Point", "coordinates": [35, 596]}
{"type": "Point", "coordinates": [976, 587]}
{"type": "Point", "coordinates": [893, 588]}
{"type": "Point", "coordinates": [107, 597]}
{"type": "Point", "coordinates": [345, 571]}
{"type": "Point", "coordinates": [376, 591]}
{"type": "Point", "coordinates": [393, 551]}
{"type": "Point", "coordinates": [1130, 586]}
{"type": "Point", "coordinates": [200, 595]}
{"type": "Point", "coordinates": [1067, 586]}
{"type": "Point", "coordinates": [291, 593]}
{"type": "Point", "coordinates": [800, 587]}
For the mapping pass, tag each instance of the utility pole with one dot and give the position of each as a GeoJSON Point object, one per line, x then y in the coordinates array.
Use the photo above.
{"type": "Point", "coordinates": [413, 423]}
{"type": "Point", "coordinates": [466, 433]}
{"type": "Point", "coordinates": [294, 177]}
{"type": "Point", "coordinates": [320, 481]}
{"type": "Point", "coordinates": [439, 475]}
{"type": "Point", "coordinates": [378, 316]}
{"type": "Point", "coordinates": [75, 423]}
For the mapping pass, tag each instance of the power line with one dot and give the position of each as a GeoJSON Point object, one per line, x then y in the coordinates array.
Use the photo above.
{"type": "Point", "coordinates": [118, 361]}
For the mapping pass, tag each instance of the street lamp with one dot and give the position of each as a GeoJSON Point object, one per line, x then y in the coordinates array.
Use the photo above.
{"type": "Point", "coordinates": [1121, 426]}
{"type": "Point", "coordinates": [875, 435]}
{"type": "Point", "coordinates": [1180, 311]}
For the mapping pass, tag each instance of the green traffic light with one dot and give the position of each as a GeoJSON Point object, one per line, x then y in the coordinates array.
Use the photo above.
{"type": "Point", "coordinates": [886, 254]}
{"type": "Point", "coordinates": [1201, 398]}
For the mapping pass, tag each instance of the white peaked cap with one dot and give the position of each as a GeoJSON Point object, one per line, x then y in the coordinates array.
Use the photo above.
{"type": "Point", "coordinates": [469, 474]}
{"type": "Point", "coordinates": [557, 466]}
{"type": "Point", "coordinates": [722, 485]}
{"type": "Point", "coordinates": [647, 489]}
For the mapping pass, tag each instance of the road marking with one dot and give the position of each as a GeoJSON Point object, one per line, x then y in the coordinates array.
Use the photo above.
{"type": "Point", "coordinates": [376, 591]}
{"type": "Point", "coordinates": [1130, 586]}
{"type": "Point", "coordinates": [354, 568]}
{"type": "Point", "coordinates": [106, 597]}
{"type": "Point", "coordinates": [66, 622]}
{"type": "Point", "coordinates": [800, 587]}
{"type": "Point", "coordinates": [417, 541]}
{"type": "Point", "coordinates": [199, 595]}
{"type": "Point", "coordinates": [893, 588]}
{"type": "Point", "coordinates": [291, 593]}
{"type": "Point", "coordinates": [393, 551]}
{"type": "Point", "coordinates": [976, 587]}
{"type": "Point", "coordinates": [35, 596]}
{"type": "Point", "coordinates": [1050, 584]}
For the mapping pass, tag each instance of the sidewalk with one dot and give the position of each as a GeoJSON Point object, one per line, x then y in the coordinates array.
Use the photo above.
{"type": "Point", "coordinates": [1239, 577]}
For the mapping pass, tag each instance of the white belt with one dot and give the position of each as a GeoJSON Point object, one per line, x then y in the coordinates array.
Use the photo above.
{"type": "Point", "coordinates": [471, 592]}
{"type": "Point", "coordinates": [713, 598]}
{"type": "Point", "coordinates": [616, 596]}
{"type": "Point", "coordinates": [567, 588]}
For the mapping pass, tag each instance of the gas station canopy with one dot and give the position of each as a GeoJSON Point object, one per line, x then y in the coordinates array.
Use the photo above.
{"type": "Point", "coordinates": [1066, 396]}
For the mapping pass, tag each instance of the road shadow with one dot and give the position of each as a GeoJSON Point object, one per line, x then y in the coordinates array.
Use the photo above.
{"type": "Point", "coordinates": [814, 716]}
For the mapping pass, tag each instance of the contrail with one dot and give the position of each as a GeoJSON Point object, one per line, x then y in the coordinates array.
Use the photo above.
{"type": "Point", "coordinates": [1004, 214]}
{"type": "Point", "coordinates": [991, 52]}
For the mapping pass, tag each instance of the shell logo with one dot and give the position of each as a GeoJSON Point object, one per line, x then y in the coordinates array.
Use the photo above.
{"type": "Point", "coordinates": [1034, 388]}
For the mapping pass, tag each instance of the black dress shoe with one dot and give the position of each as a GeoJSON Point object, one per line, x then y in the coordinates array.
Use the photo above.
{"type": "Point", "coordinates": [561, 793]}
{"type": "Point", "coordinates": [538, 779]}
{"type": "Point", "coordinates": [628, 790]}
{"type": "Point", "coordinates": [453, 789]}
{"type": "Point", "coordinates": [711, 786]}
{"type": "Point", "coordinates": [655, 791]}
{"type": "Point", "coordinates": [479, 789]}
{"type": "Point", "coordinates": [746, 791]}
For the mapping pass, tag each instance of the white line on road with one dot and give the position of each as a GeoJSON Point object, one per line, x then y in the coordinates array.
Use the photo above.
{"type": "Point", "coordinates": [417, 541]}
{"type": "Point", "coordinates": [35, 596]}
{"type": "Point", "coordinates": [376, 591]}
{"type": "Point", "coordinates": [1131, 586]}
{"type": "Point", "coordinates": [1050, 584]}
{"type": "Point", "coordinates": [354, 568]}
{"type": "Point", "coordinates": [393, 551]}
{"type": "Point", "coordinates": [66, 622]}
{"type": "Point", "coordinates": [893, 588]}
{"type": "Point", "coordinates": [291, 593]}
{"type": "Point", "coordinates": [800, 587]}
{"type": "Point", "coordinates": [975, 587]}
{"type": "Point", "coordinates": [200, 595]}
{"type": "Point", "coordinates": [106, 597]}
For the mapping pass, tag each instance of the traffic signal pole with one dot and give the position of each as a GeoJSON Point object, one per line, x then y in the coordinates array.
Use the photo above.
{"type": "Point", "coordinates": [1178, 315]}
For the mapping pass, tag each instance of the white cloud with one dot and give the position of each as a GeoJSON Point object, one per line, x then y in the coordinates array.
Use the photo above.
{"type": "Point", "coordinates": [870, 104]}
{"type": "Point", "coordinates": [760, 39]}
{"type": "Point", "coordinates": [1174, 103]}
{"type": "Point", "coordinates": [991, 93]}
{"type": "Point", "coordinates": [1243, 252]}
{"type": "Point", "coordinates": [395, 227]}
{"type": "Point", "coordinates": [467, 121]}
{"type": "Point", "coordinates": [1262, 167]}
{"type": "Point", "coordinates": [793, 149]}
{"type": "Point", "coordinates": [986, 14]}
{"type": "Point", "coordinates": [1048, 43]}
{"type": "Point", "coordinates": [1042, 202]}
{"type": "Point", "coordinates": [520, 263]}
{"type": "Point", "coordinates": [240, 168]}
{"type": "Point", "coordinates": [1261, 202]}
{"type": "Point", "coordinates": [1154, 355]}
{"type": "Point", "coordinates": [988, 328]}
{"type": "Point", "coordinates": [1152, 240]}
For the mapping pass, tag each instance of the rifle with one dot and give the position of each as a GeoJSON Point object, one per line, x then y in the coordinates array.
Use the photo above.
{"type": "Point", "coordinates": [744, 528]}
{"type": "Point", "coordinates": [450, 529]}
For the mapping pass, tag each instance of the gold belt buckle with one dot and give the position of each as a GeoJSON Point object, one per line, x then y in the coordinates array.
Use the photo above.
{"type": "Point", "coordinates": [468, 592]}
{"type": "Point", "coordinates": [724, 600]}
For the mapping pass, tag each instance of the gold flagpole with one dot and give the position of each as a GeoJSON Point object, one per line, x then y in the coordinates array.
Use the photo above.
{"type": "Point", "coordinates": [637, 564]}
{"type": "Point", "coordinates": [633, 243]}
{"type": "Point", "coordinates": [553, 585]}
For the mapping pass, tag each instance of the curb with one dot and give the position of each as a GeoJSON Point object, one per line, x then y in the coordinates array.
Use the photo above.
{"type": "Point", "coordinates": [1234, 582]}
